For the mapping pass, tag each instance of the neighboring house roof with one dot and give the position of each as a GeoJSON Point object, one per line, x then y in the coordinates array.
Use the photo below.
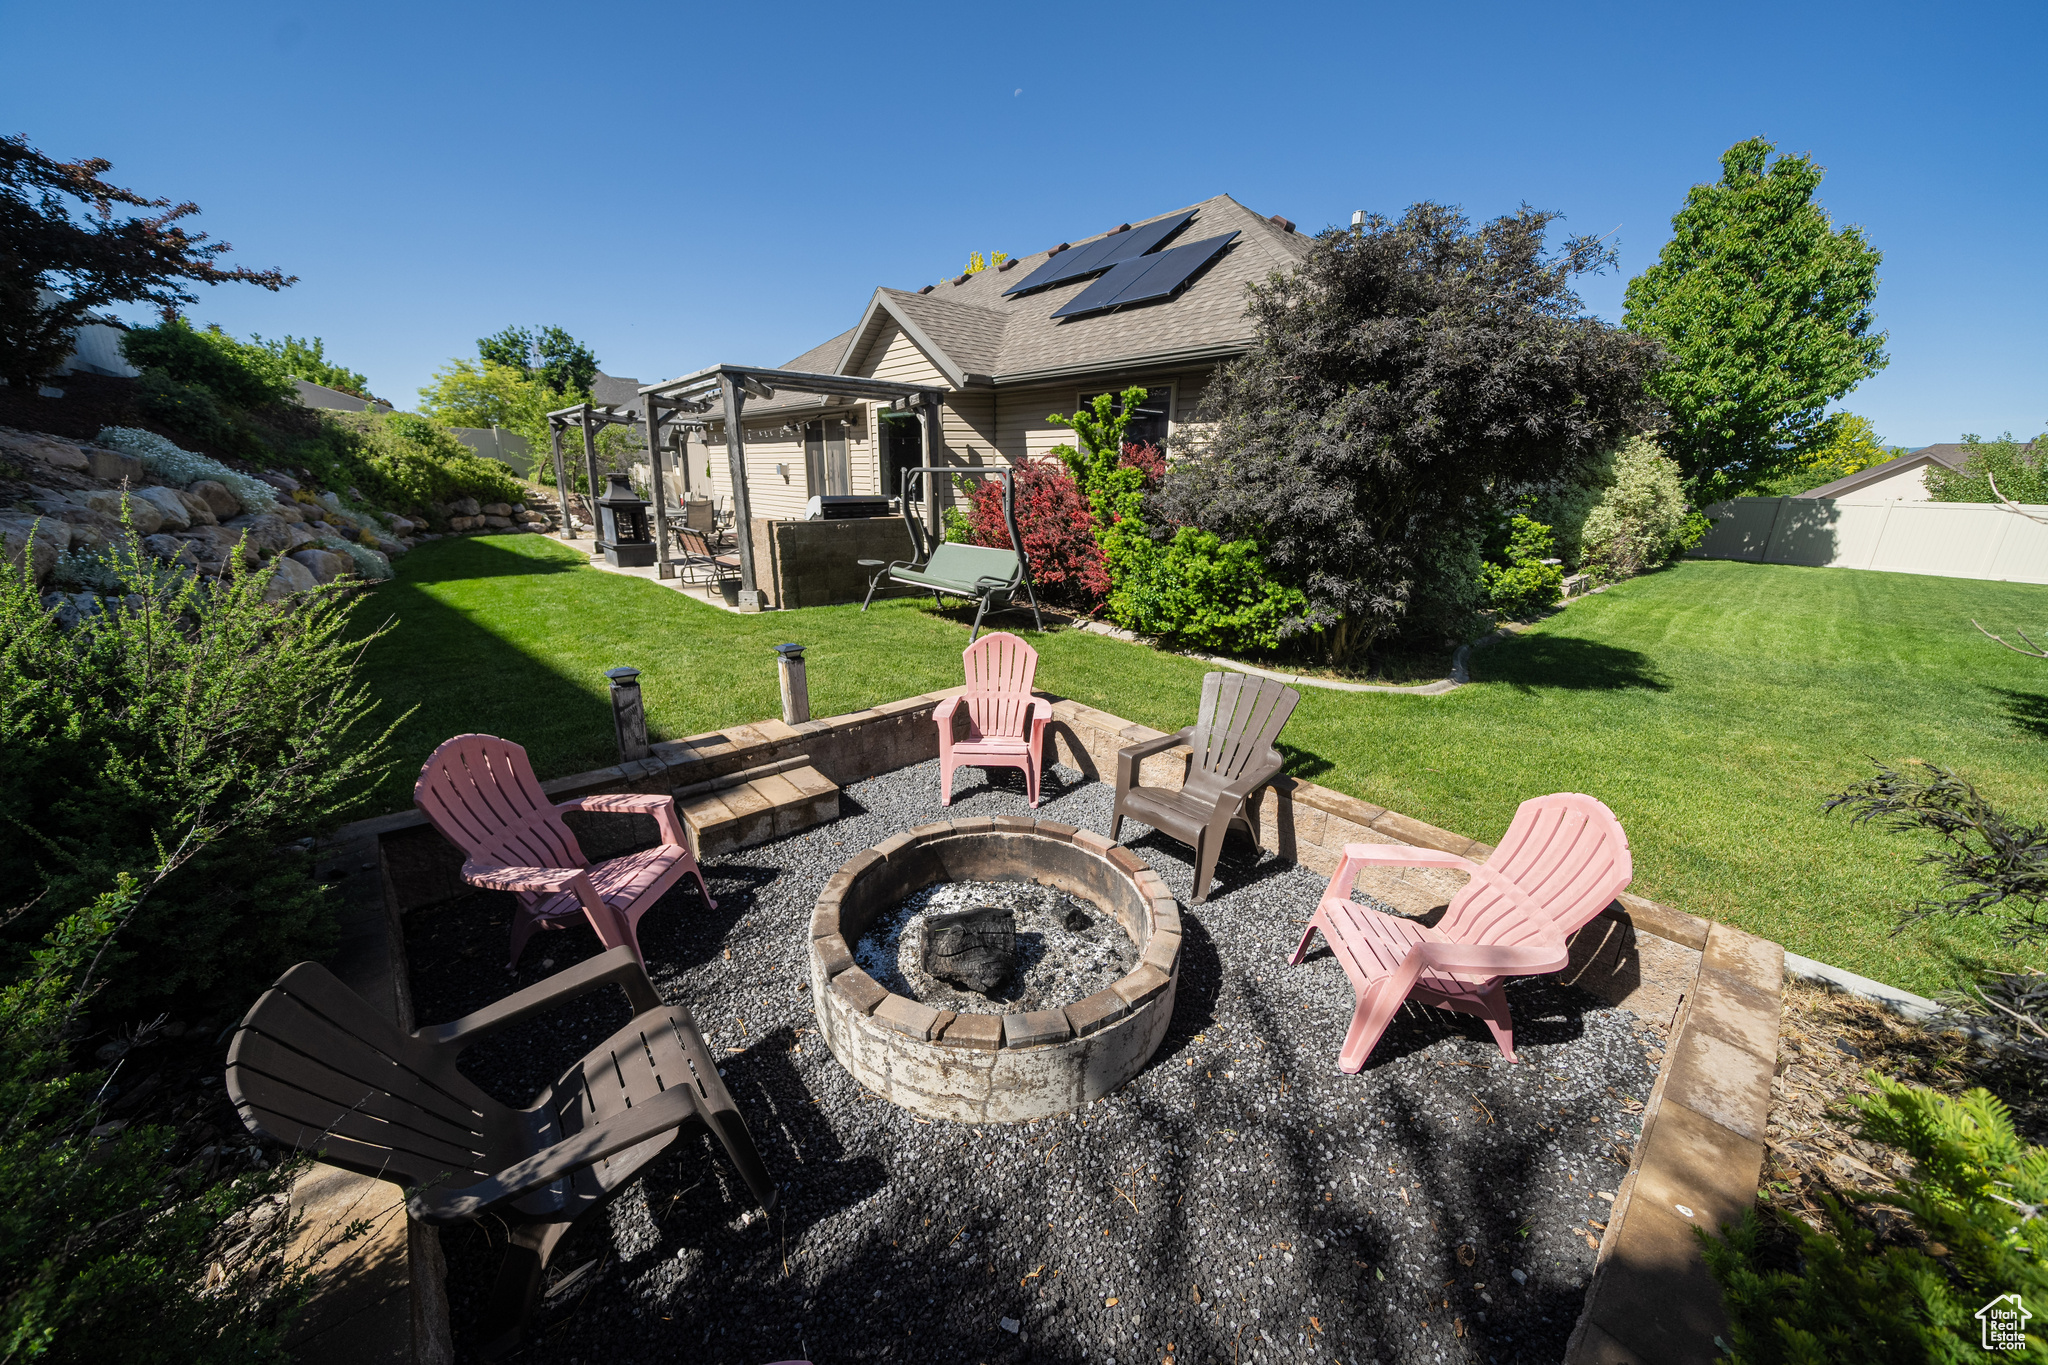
{"type": "Point", "coordinates": [610, 391]}
{"type": "Point", "coordinates": [976, 336]}
{"type": "Point", "coordinates": [1949, 456]}
{"type": "Point", "coordinates": [820, 359]}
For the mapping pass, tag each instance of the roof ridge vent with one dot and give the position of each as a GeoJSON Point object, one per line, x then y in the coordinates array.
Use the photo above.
{"type": "Point", "coordinates": [1007, 264]}
{"type": "Point", "coordinates": [1283, 224]}
{"type": "Point", "coordinates": [927, 289]}
{"type": "Point", "coordinates": [1125, 227]}
{"type": "Point", "coordinates": [1058, 249]}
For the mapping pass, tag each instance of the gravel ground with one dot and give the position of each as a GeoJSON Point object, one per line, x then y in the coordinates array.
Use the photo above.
{"type": "Point", "coordinates": [1240, 1200]}
{"type": "Point", "coordinates": [1055, 965]}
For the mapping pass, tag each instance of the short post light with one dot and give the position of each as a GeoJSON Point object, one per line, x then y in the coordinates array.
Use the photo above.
{"type": "Point", "coordinates": [629, 714]}
{"type": "Point", "coordinates": [796, 690]}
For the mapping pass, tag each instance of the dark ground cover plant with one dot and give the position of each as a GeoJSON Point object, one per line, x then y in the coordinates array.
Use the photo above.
{"type": "Point", "coordinates": [162, 756]}
{"type": "Point", "coordinates": [59, 230]}
{"type": "Point", "coordinates": [1409, 379]}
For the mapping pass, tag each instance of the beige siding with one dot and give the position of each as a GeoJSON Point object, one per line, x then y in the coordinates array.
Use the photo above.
{"type": "Point", "coordinates": [770, 493]}
{"type": "Point", "coordinates": [1021, 428]}
{"type": "Point", "coordinates": [891, 354]}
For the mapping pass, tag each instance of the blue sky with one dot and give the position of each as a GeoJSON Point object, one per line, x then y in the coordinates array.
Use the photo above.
{"type": "Point", "coordinates": [745, 182]}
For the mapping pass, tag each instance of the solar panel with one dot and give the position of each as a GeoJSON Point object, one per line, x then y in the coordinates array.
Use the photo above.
{"type": "Point", "coordinates": [1100, 254]}
{"type": "Point", "coordinates": [1148, 277]}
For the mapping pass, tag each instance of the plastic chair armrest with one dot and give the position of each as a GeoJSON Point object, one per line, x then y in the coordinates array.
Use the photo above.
{"type": "Point", "coordinates": [1265, 772]}
{"type": "Point", "coordinates": [666, 1111]}
{"type": "Point", "coordinates": [943, 712]}
{"type": "Point", "coordinates": [662, 808]}
{"type": "Point", "coordinates": [495, 878]}
{"type": "Point", "coordinates": [617, 966]}
{"type": "Point", "coordinates": [1128, 757]}
{"type": "Point", "coordinates": [1405, 855]}
{"type": "Point", "coordinates": [1496, 959]}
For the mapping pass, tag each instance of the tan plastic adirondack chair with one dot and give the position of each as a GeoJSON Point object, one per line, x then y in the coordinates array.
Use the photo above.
{"type": "Point", "coordinates": [480, 792]}
{"type": "Point", "coordinates": [1234, 757]}
{"type": "Point", "coordinates": [1562, 861]}
{"type": "Point", "coordinates": [314, 1066]}
{"type": "Point", "coordinates": [1005, 723]}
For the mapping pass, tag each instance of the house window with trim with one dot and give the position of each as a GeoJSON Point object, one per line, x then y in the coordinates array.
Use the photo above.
{"type": "Point", "coordinates": [1153, 420]}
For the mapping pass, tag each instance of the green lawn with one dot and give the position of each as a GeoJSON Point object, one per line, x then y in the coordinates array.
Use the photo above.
{"type": "Point", "coordinates": [1712, 706]}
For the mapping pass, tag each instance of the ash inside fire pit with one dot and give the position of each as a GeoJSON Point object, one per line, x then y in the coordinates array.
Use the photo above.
{"type": "Point", "coordinates": [1055, 965]}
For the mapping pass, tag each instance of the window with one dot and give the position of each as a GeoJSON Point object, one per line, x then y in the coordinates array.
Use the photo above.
{"type": "Point", "coordinates": [825, 463]}
{"type": "Point", "coordinates": [1154, 417]}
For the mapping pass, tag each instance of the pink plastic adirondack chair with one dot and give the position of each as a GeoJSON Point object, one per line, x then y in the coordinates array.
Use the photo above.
{"type": "Point", "coordinates": [1563, 859]}
{"type": "Point", "coordinates": [480, 792]}
{"type": "Point", "coordinates": [1005, 723]}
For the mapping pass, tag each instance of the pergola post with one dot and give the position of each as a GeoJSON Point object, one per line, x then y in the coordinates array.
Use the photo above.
{"type": "Point", "coordinates": [928, 415]}
{"type": "Point", "coordinates": [590, 461]}
{"type": "Point", "coordinates": [742, 511]}
{"type": "Point", "coordinates": [561, 478]}
{"type": "Point", "coordinates": [662, 568]}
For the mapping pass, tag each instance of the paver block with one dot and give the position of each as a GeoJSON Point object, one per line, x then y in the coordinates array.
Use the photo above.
{"type": "Point", "coordinates": [1652, 918]}
{"type": "Point", "coordinates": [973, 824]}
{"type": "Point", "coordinates": [906, 1016]}
{"type": "Point", "coordinates": [1020, 824]}
{"type": "Point", "coordinates": [1655, 1296]}
{"type": "Point", "coordinates": [1034, 1027]}
{"type": "Point", "coordinates": [1165, 915]}
{"type": "Point", "coordinates": [1097, 1011]}
{"type": "Point", "coordinates": [1162, 950]}
{"type": "Point", "coordinates": [1142, 984]}
{"type": "Point", "coordinates": [894, 844]}
{"type": "Point", "coordinates": [825, 914]}
{"type": "Point", "coordinates": [1089, 839]}
{"type": "Point", "coordinates": [981, 1031]}
{"type": "Point", "coordinates": [1053, 829]}
{"type": "Point", "coordinates": [1757, 961]}
{"type": "Point", "coordinates": [859, 990]}
{"type": "Point", "coordinates": [1596, 1347]}
{"type": "Point", "coordinates": [1692, 1161]}
{"type": "Point", "coordinates": [1737, 1012]}
{"type": "Point", "coordinates": [1724, 1082]}
{"type": "Point", "coordinates": [834, 956]}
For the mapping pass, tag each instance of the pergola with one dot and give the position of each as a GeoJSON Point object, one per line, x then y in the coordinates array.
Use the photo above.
{"type": "Point", "coordinates": [731, 385]}
{"type": "Point", "coordinates": [588, 416]}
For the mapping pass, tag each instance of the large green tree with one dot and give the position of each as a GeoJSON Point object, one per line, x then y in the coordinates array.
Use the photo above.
{"type": "Point", "coordinates": [60, 233]}
{"type": "Point", "coordinates": [567, 366]}
{"type": "Point", "coordinates": [1765, 309]}
{"type": "Point", "coordinates": [1408, 380]}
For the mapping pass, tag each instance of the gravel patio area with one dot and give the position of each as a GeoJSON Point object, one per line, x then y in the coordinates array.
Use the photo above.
{"type": "Point", "coordinates": [1239, 1201]}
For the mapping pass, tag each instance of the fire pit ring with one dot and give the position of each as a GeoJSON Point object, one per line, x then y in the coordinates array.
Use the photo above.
{"type": "Point", "coordinates": [994, 1068]}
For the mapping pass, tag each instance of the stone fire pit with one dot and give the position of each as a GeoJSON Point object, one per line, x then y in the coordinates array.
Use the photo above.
{"type": "Point", "coordinates": [994, 1067]}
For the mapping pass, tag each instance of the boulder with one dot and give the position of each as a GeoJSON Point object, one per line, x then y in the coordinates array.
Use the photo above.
{"type": "Point", "coordinates": [50, 538]}
{"type": "Point", "coordinates": [223, 503]}
{"type": "Point", "coordinates": [465, 507]}
{"type": "Point", "coordinates": [171, 549]}
{"type": "Point", "coordinates": [291, 512]}
{"type": "Point", "coordinates": [113, 466]}
{"type": "Point", "coordinates": [146, 516]}
{"type": "Point", "coordinates": [212, 545]}
{"type": "Point", "coordinates": [324, 565]}
{"type": "Point", "coordinates": [497, 509]}
{"type": "Point", "coordinates": [301, 536]}
{"type": "Point", "coordinates": [268, 534]}
{"type": "Point", "coordinates": [284, 483]}
{"type": "Point", "coordinates": [45, 450]}
{"type": "Point", "coordinates": [391, 549]}
{"type": "Point", "coordinates": [497, 519]}
{"type": "Point", "coordinates": [198, 511]}
{"type": "Point", "coordinates": [287, 576]}
{"type": "Point", "coordinates": [169, 506]}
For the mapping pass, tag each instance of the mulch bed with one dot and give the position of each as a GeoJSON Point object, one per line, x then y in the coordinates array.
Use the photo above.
{"type": "Point", "coordinates": [1239, 1200]}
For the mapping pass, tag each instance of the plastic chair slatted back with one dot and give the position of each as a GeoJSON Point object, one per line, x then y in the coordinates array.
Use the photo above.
{"type": "Point", "coordinates": [1000, 669]}
{"type": "Point", "coordinates": [1241, 716]}
{"type": "Point", "coordinates": [480, 792]}
{"type": "Point", "coordinates": [1567, 852]}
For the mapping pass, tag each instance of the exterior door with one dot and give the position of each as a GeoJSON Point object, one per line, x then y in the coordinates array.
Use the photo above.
{"type": "Point", "coordinates": [825, 465]}
{"type": "Point", "coordinates": [902, 448]}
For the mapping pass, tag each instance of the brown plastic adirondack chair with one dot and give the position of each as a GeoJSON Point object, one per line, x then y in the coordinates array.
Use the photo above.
{"type": "Point", "coordinates": [314, 1066]}
{"type": "Point", "coordinates": [1005, 723]}
{"type": "Point", "coordinates": [480, 792]}
{"type": "Point", "coordinates": [1233, 758]}
{"type": "Point", "coordinates": [1562, 861]}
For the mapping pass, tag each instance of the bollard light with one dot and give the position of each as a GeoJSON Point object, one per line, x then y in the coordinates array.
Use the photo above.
{"type": "Point", "coordinates": [629, 715]}
{"type": "Point", "coordinates": [796, 690]}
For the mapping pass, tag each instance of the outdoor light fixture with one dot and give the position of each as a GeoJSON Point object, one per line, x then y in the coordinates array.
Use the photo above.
{"type": "Point", "coordinates": [622, 525]}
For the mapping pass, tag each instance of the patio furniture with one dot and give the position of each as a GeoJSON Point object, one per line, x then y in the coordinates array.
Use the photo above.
{"type": "Point", "coordinates": [1562, 861]}
{"type": "Point", "coordinates": [701, 561]}
{"type": "Point", "coordinates": [698, 515]}
{"type": "Point", "coordinates": [981, 572]}
{"type": "Point", "coordinates": [1232, 739]}
{"type": "Point", "coordinates": [1005, 723]}
{"type": "Point", "coordinates": [314, 1066]}
{"type": "Point", "coordinates": [480, 793]}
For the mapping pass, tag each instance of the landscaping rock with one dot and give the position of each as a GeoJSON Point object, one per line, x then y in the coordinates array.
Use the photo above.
{"type": "Point", "coordinates": [223, 503]}
{"type": "Point", "coordinates": [497, 520]}
{"type": "Point", "coordinates": [170, 507]}
{"type": "Point", "coordinates": [283, 482]}
{"type": "Point", "coordinates": [198, 511]}
{"type": "Point", "coordinates": [171, 550]}
{"type": "Point", "coordinates": [497, 509]}
{"type": "Point", "coordinates": [465, 507]}
{"type": "Point", "coordinates": [48, 536]}
{"type": "Point", "coordinates": [390, 548]}
{"type": "Point", "coordinates": [301, 535]}
{"type": "Point", "coordinates": [213, 545]}
{"type": "Point", "coordinates": [324, 565]}
{"type": "Point", "coordinates": [287, 577]}
{"type": "Point", "coordinates": [112, 466]}
{"type": "Point", "coordinates": [268, 534]}
{"type": "Point", "coordinates": [44, 450]}
{"type": "Point", "coordinates": [144, 515]}
{"type": "Point", "coordinates": [291, 512]}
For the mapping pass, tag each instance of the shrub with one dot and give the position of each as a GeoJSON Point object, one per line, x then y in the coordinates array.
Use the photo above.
{"type": "Point", "coordinates": [1059, 534]}
{"type": "Point", "coordinates": [1642, 519]}
{"type": "Point", "coordinates": [1976, 1194]}
{"type": "Point", "coordinates": [186, 700]}
{"type": "Point", "coordinates": [308, 360]}
{"type": "Point", "coordinates": [1517, 581]}
{"type": "Point", "coordinates": [233, 371]}
{"type": "Point", "coordinates": [1992, 468]}
{"type": "Point", "coordinates": [416, 463]}
{"type": "Point", "coordinates": [176, 465]}
{"type": "Point", "coordinates": [1197, 589]}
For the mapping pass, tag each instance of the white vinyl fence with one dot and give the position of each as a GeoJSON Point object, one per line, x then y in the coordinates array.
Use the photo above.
{"type": "Point", "coordinates": [1945, 539]}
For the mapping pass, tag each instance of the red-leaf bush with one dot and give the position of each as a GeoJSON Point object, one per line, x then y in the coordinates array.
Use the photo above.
{"type": "Point", "coordinates": [1059, 533]}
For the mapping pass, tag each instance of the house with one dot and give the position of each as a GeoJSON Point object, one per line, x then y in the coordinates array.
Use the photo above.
{"type": "Point", "coordinates": [1901, 480]}
{"type": "Point", "coordinates": [1157, 302]}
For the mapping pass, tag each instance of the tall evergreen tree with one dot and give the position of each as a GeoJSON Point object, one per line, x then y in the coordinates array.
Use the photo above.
{"type": "Point", "coordinates": [1765, 309]}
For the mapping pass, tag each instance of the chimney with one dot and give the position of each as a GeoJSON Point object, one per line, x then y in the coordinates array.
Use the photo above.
{"type": "Point", "coordinates": [1358, 218]}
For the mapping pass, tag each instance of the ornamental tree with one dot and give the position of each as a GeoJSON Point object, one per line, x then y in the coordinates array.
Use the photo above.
{"type": "Point", "coordinates": [567, 366]}
{"type": "Point", "coordinates": [1407, 379]}
{"type": "Point", "coordinates": [59, 232]}
{"type": "Point", "coordinates": [1766, 311]}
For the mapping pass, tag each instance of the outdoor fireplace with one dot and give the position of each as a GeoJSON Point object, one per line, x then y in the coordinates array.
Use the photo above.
{"type": "Point", "coordinates": [973, 1061]}
{"type": "Point", "coordinates": [622, 525]}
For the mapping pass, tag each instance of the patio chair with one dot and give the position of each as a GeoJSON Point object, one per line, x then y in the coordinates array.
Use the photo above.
{"type": "Point", "coordinates": [480, 793]}
{"type": "Point", "coordinates": [314, 1066]}
{"type": "Point", "coordinates": [698, 516]}
{"type": "Point", "coordinates": [1562, 861]}
{"type": "Point", "coordinates": [1232, 739]}
{"type": "Point", "coordinates": [702, 563]}
{"type": "Point", "coordinates": [1005, 723]}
